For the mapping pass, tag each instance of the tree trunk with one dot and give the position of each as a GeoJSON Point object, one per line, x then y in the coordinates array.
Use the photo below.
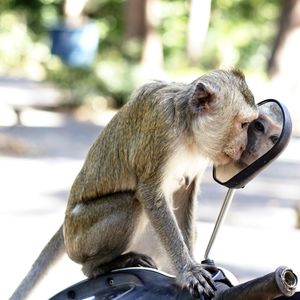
{"type": "Point", "coordinates": [73, 11]}
{"type": "Point", "coordinates": [284, 64]}
{"type": "Point", "coordinates": [286, 48]}
{"type": "Point", "coordinates": [197, 28]}
{"type": "Point", "coordinates": [135, 17]}
{"type": "Point", "coordinates": [142, 21]}
{"type": "Point", "coordinates": [152, 58]}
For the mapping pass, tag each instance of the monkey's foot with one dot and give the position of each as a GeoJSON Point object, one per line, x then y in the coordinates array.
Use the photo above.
{"type": "Point", "coordinates": [130, 259]}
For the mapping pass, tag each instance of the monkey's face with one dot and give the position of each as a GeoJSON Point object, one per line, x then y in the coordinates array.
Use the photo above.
{"type": "Point", "coordinates": [224, 107]}
{"type": "Point", "coordinates": [237, 138]}
{"type": "Point", "coordinates": [263, 133]}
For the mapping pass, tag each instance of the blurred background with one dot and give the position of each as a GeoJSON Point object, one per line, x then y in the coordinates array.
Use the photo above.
{"type": "Point", "coordinates": [66, 67]}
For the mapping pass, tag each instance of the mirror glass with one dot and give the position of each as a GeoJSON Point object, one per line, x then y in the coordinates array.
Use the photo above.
{"type": "Point", "coordinates": [264, 134]}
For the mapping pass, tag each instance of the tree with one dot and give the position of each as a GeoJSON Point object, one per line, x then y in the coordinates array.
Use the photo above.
{"type": "Point", "coordinates": [286, 47]}
{"type": "Point", "coordinates": [73, 11]}
{"type": "Point", "coordinates": [135, 19]}
{"type": "Point", "coordinates": [199, 17]}
{"type": "Point", "coordinates": [142, 21]}
{"type": "Point", "coordinates": [152, 58]}
{"type": "Point", "coordinates": [284, 64]}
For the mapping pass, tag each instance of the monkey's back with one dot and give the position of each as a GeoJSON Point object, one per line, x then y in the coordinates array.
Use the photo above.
{"type": "Point", "coordinates": [129, 149]}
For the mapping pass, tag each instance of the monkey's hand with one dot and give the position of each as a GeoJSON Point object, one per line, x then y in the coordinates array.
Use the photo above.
{"type": "Point", "coordinates": [198, 281]}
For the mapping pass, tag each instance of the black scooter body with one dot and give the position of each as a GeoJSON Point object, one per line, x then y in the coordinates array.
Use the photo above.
{"type": "Point", "coordinates": [125, 284]}
{"type": "Point", "coordinates": [140, 283]}
{"type": "Point", "coordinates": [132, 283]}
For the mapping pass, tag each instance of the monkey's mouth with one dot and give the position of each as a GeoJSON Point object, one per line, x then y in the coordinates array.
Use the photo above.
{"type": "Point", "coordinates": [247, 158]}
{"type": "Point", "coordinates": [233, 156]}
{"type": "Point", "coordinates": [223, 159]}
{"type": "Point", "coordinates": [227, 156]}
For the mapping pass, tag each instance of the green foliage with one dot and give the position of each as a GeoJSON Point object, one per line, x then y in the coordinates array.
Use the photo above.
{"type": "Point", "coordinates": [109, 13]}
{"type": "Point", "coordinates": [240, 34]}
{"type": "Point", "coordinates": [113, 78]}
{"type": "Point", "coordinates": [34, 12]}
{"type": "Point", "coordinates": [173, 30]}
{"type": "Point", "coordinates": [18, 50]}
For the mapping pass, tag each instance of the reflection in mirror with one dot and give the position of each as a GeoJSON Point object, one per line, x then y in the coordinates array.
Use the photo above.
{"type": "Point", "coordinates": [263, 134]}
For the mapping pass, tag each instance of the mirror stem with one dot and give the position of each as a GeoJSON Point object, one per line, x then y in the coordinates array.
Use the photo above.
{"type": "Point", "coordinates": [220, 220]}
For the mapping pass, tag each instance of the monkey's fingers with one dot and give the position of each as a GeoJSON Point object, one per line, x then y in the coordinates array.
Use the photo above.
{"type": "Point", "coordinates": [208, 278]}
{"type": "Point", "coordinates": [198, 281]}
{"type": "Point", "coordinates": [204, 285]}
{"type": "Point", "coordinates": [196, 290]}
{"type": "Point", "coordinates": [146, 261]}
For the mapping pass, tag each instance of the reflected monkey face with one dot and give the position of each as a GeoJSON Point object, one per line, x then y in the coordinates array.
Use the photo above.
{"type": "Point", "coordinates": [263, 133]}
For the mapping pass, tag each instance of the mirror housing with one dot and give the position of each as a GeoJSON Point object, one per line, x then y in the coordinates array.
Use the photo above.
{"type": "Point", "coordinates": [246, 174]}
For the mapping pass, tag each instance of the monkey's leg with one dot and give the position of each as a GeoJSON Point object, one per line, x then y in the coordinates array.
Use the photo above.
{"type": "Point", "coordinates": [97, 234]}
{"type": "Point", "coordinates": [129, 259]}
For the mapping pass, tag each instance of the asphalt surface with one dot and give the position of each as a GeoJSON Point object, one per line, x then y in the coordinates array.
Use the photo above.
{"type": "Point", "coordinates": [259, 233]}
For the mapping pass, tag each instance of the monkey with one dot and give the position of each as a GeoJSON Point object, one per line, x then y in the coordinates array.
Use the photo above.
{"type": "Point", "coordinates": [263, 134]}
{"type": "Point", "coordinates": [132, 203]}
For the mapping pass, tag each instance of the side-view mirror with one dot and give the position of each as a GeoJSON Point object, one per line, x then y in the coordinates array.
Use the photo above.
{"type": "Point", "coordinates": [268, 135]}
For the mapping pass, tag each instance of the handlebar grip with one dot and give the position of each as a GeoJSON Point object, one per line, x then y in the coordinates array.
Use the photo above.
{"type": "Point", "coordinates": [281, 282]}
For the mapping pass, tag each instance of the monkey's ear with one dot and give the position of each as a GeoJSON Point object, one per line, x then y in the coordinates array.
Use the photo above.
{"type": "Point", "coordinates": [202, 98]}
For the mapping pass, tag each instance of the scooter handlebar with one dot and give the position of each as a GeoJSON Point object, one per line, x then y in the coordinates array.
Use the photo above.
{"type": "Point", "coordinates": [281, 282]}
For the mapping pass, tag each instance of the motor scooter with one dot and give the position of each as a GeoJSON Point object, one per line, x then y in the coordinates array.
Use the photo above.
{"type": "Point", "coordinates": [146, 283]}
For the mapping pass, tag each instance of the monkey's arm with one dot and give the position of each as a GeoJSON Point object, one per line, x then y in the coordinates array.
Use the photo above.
{"type": "Point", "coordinates": [184, 202]}
{"type": "Point", "coordinates": [162, 218]}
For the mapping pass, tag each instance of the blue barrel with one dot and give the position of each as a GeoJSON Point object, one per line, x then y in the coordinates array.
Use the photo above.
{"type": "Point", "coordinates": [76, 46]}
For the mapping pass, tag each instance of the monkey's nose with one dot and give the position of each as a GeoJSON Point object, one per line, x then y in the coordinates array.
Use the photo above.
{"type": "Point", "coordinates": [242, 149]}
{"type": "Point", "coordinates": [240, 152]}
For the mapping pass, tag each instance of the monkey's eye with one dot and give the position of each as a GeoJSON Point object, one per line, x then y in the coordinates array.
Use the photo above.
{"type": "Point", "coordinates": [244, 124]}
{"type": "Point", "coordinates": [259, 126]}
{"type": "Point", "coordinates": [274, 139]}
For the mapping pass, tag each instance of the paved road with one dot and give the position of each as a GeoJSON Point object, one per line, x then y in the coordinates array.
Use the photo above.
{"type": "Point", "coordinates": [259, 233]}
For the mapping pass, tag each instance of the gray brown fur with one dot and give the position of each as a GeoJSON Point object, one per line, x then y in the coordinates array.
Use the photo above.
{"type": "Point", "coordinates": [125, 205]}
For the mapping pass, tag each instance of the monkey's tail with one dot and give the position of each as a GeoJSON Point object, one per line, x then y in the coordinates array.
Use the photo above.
{"type": "Point", "coordinates": [51, 251]}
